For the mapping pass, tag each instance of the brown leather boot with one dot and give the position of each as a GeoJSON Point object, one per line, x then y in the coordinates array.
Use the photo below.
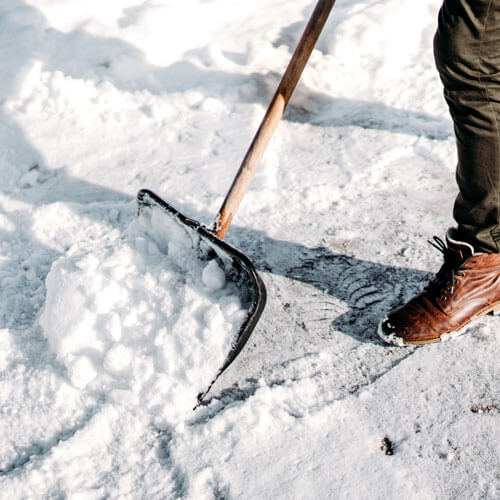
{"type": "Point", "coordinates": [466, 287]}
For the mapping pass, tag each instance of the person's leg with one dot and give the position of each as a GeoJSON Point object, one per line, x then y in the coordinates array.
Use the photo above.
{"type": "Point", "coordinates": [467, 50]}
{"type": "Point", "coordinates": [467, 53]}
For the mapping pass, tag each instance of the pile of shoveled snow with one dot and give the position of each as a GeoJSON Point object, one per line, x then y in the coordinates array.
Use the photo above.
{"type": "Point", "coordinates": [143, 318]}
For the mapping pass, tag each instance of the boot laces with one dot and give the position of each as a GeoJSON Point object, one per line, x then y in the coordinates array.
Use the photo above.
{"type": "Point", "coordinates": [446, 277]}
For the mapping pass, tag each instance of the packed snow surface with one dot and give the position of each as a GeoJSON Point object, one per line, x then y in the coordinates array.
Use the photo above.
{"type": "Point", "coordinates": [110, 324]}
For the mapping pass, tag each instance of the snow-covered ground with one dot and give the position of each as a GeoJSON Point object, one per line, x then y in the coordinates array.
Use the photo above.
{"type": "Point", "coordinates": [100, 99]}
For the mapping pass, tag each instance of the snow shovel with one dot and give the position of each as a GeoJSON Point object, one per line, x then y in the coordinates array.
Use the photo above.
{"type": "Point", "coordinates": [243, 271]}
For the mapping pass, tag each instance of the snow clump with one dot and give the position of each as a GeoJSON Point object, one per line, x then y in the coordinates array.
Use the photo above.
{"type": "Point", "coordinates": [143, 317]}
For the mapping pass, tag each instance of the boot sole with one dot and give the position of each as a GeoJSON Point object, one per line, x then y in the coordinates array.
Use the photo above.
{"type": "Point", "coordinates": [444, 337]}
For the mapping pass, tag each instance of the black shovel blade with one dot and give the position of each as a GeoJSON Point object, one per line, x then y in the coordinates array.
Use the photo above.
{"type": "Point", "coordinates": [242, 272]}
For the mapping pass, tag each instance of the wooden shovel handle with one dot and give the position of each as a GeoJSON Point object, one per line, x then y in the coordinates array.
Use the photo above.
{"type": "Point", "coordinates": [272, 117]}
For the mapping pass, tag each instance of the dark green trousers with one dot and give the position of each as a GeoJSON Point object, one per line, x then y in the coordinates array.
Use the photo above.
{"type": "Point", "coordinates": [467, 53]}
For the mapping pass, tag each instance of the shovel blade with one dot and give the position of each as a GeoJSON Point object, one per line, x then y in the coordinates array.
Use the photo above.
{"type": "Point", "coordinates": [242, 272]}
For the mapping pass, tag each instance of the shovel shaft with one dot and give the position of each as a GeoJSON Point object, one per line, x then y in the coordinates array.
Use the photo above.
{"type": "Point", "coordinates": [272, 117]}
